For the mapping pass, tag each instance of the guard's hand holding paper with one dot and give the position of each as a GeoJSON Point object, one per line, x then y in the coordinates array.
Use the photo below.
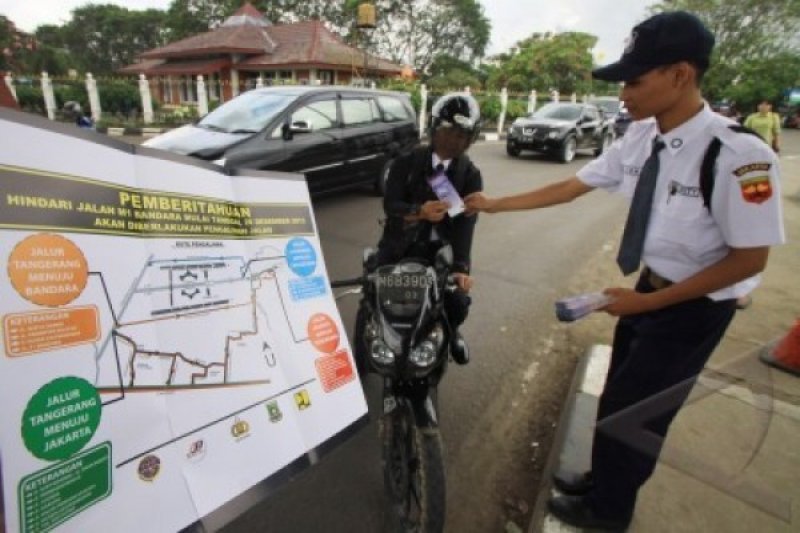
{"type": "Point", "coordinates": [576, 307]}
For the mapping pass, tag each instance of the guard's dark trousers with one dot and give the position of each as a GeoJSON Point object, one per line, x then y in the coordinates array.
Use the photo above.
{"type": "Point", "coordinates": [655, 360]}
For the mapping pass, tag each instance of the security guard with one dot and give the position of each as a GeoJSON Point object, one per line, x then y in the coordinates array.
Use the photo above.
{"type": "Point", "coordinates": [700, 250]}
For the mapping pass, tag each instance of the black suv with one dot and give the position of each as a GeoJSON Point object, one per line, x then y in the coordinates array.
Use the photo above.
{"type": "Point", "coordinates": [561, 128]}
{"type": "Point", "coordinates": [614, 111]}
{"type": "Point", "coordinates": [338, 137]}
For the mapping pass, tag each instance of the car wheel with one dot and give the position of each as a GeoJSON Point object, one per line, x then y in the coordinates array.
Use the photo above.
{"type": "Point", "coordinates": [512, 150]}
{"type": "Point", "coordinates": [380, 182]}
{"type": "Point", "coordinates": [608, 138]}
{"type": "Point", "coordinates": [567, 152]}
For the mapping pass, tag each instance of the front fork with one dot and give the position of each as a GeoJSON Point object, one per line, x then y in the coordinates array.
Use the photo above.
{"type": "Point", "coordinates": [420, 394]}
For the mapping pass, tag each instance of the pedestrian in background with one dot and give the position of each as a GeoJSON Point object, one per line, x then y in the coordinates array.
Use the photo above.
{"type": "Point", "coordinates": [767, 124]}
{"type": "Point", "coordinates": [701, 250]}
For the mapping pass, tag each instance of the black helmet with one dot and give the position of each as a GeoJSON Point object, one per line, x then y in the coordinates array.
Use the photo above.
{"type": "Point", "coordinates": [458, 110]}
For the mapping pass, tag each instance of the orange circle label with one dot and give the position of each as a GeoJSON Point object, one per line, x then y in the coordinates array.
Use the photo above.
{"type": "Point", "coordinates": [48, 269]}
{"type": "Point", "coordinates": [323, 333]}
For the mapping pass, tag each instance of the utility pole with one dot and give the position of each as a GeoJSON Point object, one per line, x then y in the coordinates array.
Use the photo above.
{"type": "Point", "coordinates": [365, 22]}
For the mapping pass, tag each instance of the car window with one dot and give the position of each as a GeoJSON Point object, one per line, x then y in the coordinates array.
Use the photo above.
{"type": "Point", "coordinates": [591, 114]}
{"type": "Point", "coordinates": [247, 113]}
{"type": "Point", "coordinates": [393, 109]}
{"type": "Point", "coordinates": [559, 111]}
{"type": "Point", "coordinates": [609, 107]}
{"type": "Point", "coordinates": [360, 111]}
{"type": "Point", "coordinates": [319, 115]}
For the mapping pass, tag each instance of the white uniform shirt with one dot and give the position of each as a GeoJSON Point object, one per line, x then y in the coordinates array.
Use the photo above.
{"type": "Point", "coordinates": [682, 236]}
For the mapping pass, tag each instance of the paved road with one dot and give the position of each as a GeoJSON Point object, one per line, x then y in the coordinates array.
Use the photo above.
{"type": "Point", "coordinates": [521, 262]}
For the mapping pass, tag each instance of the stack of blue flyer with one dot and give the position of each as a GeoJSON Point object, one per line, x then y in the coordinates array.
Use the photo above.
{"type": "Point", "coordinates": [575, 307]}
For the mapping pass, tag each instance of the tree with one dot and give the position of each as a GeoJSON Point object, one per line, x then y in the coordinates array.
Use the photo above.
{"type": "Point", "coordinates": [448, 73]}
{"type": "Point", "coordinates": [546, 61]}
{"type": "Point", "coordinates": [6, 42]}
{"type": "Point", "coordinates": [764, 80]}
{"type": "Point", "coordinates": [185, 18]}
{"type": "Point", "coordinates": [748, 32]}
{"type": "Point", "coordinates": [417, 31]}
{"type": "Point", "coordinates": [104, 38]}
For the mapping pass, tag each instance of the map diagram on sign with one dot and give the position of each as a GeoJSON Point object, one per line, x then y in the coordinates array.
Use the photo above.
{"type": "Point", "coordinates": [155, 344]}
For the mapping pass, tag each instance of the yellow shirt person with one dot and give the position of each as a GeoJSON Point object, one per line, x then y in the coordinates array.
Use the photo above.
{"type": "Point", "coordinates": [766, 123]}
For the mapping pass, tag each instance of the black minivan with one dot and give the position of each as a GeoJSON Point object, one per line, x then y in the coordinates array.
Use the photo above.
{"type": "Point", "coordinates": [338, 137]}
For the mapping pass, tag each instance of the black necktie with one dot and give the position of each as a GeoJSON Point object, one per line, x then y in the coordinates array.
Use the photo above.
{"type": "Point", "coordinates": [630, 249]}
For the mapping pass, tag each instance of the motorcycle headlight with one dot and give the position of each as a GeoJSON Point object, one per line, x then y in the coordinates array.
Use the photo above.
{"type": "Point", "coordinates": [436, 336]}
{"type": "Point", "coordinates": [423, 355]}
{"type": "Point", "coordinates": [381, 353]}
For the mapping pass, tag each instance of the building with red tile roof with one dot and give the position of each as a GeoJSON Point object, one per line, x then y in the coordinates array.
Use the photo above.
{"type": "Point", "coordinates": [245, 47]}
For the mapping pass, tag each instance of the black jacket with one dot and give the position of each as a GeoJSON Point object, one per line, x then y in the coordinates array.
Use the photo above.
{"type": "Point", "coordinates": [407, 189]}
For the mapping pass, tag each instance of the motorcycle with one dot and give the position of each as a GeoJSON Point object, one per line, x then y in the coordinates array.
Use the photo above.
{"type": "Point", "coordinates": [402, 334]}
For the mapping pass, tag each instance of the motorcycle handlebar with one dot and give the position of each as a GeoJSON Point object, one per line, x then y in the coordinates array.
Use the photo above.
{"type": "Point", "coordinates": [347, 282]}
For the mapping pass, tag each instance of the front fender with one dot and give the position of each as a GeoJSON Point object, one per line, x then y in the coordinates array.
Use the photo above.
{"type": "Point", "coordinates": [426, 413]}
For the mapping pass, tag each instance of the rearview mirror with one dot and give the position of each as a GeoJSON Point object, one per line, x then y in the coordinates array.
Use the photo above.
{"type": "Point", "coordinates": [300, 126]}
{"type": "Point", "coordinates": [444, 257]}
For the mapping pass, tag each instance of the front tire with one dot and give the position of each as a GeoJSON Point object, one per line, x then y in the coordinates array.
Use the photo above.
{"type": "Point", "coordinates": [512, 150]}
{"type": "Point", "coordinates": [413, 471]}
{"type": "Point", "coordinates": [568, 148]}
{"type": "Point", "coordinates": [380, 182]}
{"type": "Point", "coordinates": [360, 349]}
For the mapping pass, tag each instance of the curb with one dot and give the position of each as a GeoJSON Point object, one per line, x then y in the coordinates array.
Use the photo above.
{"type": "Point", "coordinates": [572, 446]}
{"type": "Point", "coordinates": [142, 132]}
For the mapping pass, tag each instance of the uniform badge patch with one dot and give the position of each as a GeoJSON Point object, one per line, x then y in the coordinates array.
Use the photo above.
{"type": "Point", "coordinates": [752, 167]}
{"type": "Point", "coordinates": [756, 190]}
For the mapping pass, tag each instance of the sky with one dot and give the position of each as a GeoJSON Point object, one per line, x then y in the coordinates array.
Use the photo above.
{"type": "Point", "coordinates": [512, 20]}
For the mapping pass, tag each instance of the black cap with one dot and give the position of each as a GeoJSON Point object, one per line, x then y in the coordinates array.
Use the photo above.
{"type": "Point", "coordinates": [663, 39]}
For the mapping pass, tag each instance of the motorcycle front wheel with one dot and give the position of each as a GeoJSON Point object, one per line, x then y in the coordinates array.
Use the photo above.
{"type": "Point", "coordinates": [413, 472]}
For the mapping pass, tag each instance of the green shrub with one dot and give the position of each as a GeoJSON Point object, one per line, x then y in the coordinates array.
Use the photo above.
{"type": "Point", "coordinates": [490, 107]}
{"type": "Point", "coordinates": [516, 109]}
{"type": "Point", "coordinates": [119, 97]}
{"type": "Point", "coordinates": [30, 98]}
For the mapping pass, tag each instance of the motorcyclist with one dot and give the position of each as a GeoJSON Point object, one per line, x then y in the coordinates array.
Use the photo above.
{"type": "Point", "coordinates": [417, 220]}
{"type": "Point", "coordinates": [74, 112]}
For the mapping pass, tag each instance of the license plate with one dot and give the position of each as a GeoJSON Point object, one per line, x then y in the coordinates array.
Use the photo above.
{"type": "Point", "coordinates": [404, 280]}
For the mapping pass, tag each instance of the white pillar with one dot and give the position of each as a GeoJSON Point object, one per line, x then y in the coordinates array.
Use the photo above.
{"type": "Point", "coordinates": [372, 85]}
{"type": "Point", "coordinates": [234, 82]}
{"type": "Point", "coordinates": [147, 99]}
{"type": "Point", "coordinates": [202, 97]}
{"type": "Point", "coordinates": [260, 81]}
{"type": "Point", "coordinates": [573, 98]}
{"type": "Point", "coordinates": [423, 107]}
{"type": "Point", "coordinates": [468, 89]}
{"type": "Point", "coordinates": [584, 98]}
{"type": "Point", "coordinates": [555, 96]}
{"type": "Point", "coordinates": [10, 85]}
{"type": "Point", "coordinates": [532, 102]}
{"type": "Point", "coordinates": [94, 97]}
{"type": "Point", "coordinates": [49, 97]}
{"type": "Point", "coordinates": [503, 109]}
